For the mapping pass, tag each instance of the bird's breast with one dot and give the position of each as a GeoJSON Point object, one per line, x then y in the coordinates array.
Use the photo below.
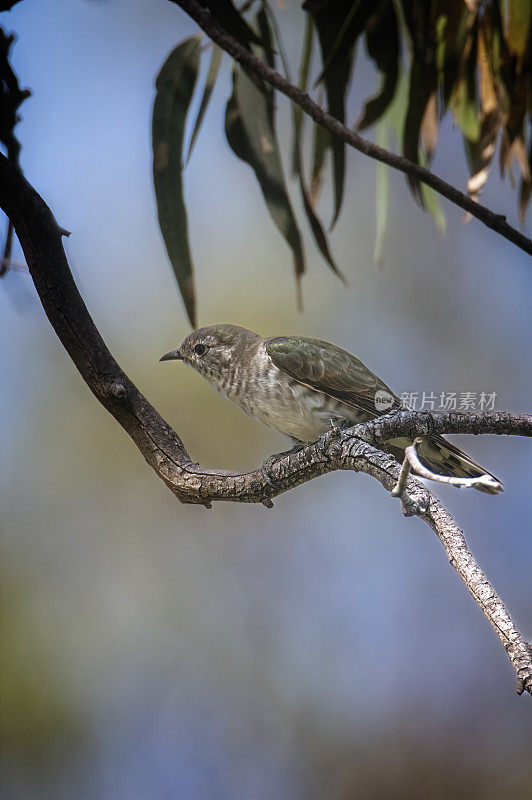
{"type": "Point", "coordinates": [274, 398]}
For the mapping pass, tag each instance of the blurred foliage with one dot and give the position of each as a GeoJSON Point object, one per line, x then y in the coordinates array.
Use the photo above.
{"type": "Point", "coordinates": [38, 723]}
{"type": "Point", "coordinates": [469, 58]}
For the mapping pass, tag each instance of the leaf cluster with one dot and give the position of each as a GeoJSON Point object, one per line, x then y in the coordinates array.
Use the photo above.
{"type": "Point", "coordinates": [467, 58]}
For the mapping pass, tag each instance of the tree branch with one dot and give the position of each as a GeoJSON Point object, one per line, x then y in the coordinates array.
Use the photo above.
{"type": "Point", "coordinates": [496, 222]}
{"type": "Point", "coordinates": [355, 448]}
{"type": "Point", "coordinates": [411, 461]}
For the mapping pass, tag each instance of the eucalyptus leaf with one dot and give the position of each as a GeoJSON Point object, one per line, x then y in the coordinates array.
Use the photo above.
{"type": "Point", "coordinates": [318, 232]}
{"type": "Point", "coordinates": [320, 145]}
{"type": "Point", "coordinates": [212, 74]}
{"type": "Point", "coordinates": [423, 84]}
{"type": "Point", "coordinates": [382, 41]}
{"type": "Point", "coordinates": [232, 21]}
{"type": "Point", "coordinates": [464, 98]}
{"type": "Point", "coordinates": [432, 203]}
{"type": "Point", "coordinates": [174, 90]}
{"type": "Point", "coordinates": [525, 189]}
{"type": "Point", "coordinates": [519, 17]}
{"type": "Point", "coordinates": [251, 135]}
{"type": "Point", "coordinates": [339, 27]}
{"type": "Point", "coordinates": [304, 70]}
{"type": "Point", "coordinates": [396, 117]}
{"type": "Point", "coordinates": [382, 190]}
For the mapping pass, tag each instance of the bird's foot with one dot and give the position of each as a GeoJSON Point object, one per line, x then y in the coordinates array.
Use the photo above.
{"type": "Point", "coordinates": [339, 425]}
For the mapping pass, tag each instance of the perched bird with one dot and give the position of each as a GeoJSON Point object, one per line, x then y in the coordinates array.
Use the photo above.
{"type": "Point", "coordinates": [300, 387]}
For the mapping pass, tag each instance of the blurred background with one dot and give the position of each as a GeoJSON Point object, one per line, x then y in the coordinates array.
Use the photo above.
{"type": "Point", "coordinates": [324, 649]}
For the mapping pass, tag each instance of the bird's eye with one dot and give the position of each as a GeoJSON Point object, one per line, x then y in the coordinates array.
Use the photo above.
{"type": "Point", "coordinates": [200, 349]}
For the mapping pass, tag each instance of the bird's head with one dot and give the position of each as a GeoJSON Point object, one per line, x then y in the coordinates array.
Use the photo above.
{"type": "Point", "coordinates": [211, 350]}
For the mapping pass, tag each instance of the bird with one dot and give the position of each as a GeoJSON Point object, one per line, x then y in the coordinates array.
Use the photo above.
{"type": "Point", "coordinates": [301, 386]}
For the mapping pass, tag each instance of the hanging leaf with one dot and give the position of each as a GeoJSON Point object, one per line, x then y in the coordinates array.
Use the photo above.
{"type": "Point", "coordinates": [480, 154]}
{"type": "Point", "coordinates": [266, 34]}
{"type": "Point", "coordinates": [382, 42]}
{"type": "Point", "coordinates": [452, 26]}
{"type": "Point", "coordinates": [227, 16]}
{"type": "Point", "coordinates": [316, 227]}
{"type": "Point", "coordinates": [518, 27]}
{"type": "Point", "coordinates": [251, 135]}
{"type": "Point", "coordinates": [430, 125]}
{"type": "Point", "coordinates": [525, 189]}
{"type": "Point", "coordinates": [423, 82]}
{"type": "Point", "coordinates": [212, 74]}
{"type": "Point", "coordinates": [339, 24]}
{"type": "Point", "coordinates": [396, 117]}
{"type": "Point", "coordinates": [382, 190]}
{"type": "Point", "coordinates": [174, 89]}
{"type": "Point", "coordinates": [432, 203]}
{"type": "Point", "coordinates": [338, 49]}
{"type": "Point", "coordinates": [320, 145]}
{"type": "Point", "coordinates": [464, 98]}
{"type": "Point", "coordinates": [304, 69]}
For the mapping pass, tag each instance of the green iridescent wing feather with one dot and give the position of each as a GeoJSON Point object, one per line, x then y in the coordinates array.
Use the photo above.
{"type": "Point", "coordinates": [329, 369]}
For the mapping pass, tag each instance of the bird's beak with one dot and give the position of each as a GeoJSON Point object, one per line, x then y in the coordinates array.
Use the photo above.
{"type": "Point", "coordinates": [173, 355]}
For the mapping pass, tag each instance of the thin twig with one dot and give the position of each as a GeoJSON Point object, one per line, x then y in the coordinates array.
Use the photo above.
{"type": "Point", "coordinates": [411, 461]}
{"type": "Point", "coordinates": [496, 222]}
{"type": "Point", "coordinates": [400, 487]}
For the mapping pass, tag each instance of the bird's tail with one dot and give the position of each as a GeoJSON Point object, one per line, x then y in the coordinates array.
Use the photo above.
{"type": "Point", "coordinates": [444, 458]}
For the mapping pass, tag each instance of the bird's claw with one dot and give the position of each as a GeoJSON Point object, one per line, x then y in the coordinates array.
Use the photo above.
{"type": "Point", "coordinates": [339, 425]}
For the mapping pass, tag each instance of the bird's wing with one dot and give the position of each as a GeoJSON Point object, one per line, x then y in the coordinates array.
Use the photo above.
{"type": "Point", "coordinates": [328, 369]}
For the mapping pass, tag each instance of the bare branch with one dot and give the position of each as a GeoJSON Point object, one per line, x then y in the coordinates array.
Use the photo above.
{"type": "Point", "coordinates": [427, 423]}
{"type": "Point", "coordinates": [355, 448]}
{"type": "Point", "coordinates": [454, 541]}
{"type": "Point", "coordinates": [496, 222]}
{"type": "Point", "coordinates": [411, 462]}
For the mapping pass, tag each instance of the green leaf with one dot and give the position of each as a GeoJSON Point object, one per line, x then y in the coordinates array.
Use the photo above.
{"type": "Point", "coordinates": [212, 74]}
{"type": "Point", "coordinates": [227, 16]}
{"type": "Point", "coordinates": [396, 117]}
{"type": "Point", "coordinates": [174, 89]}
{"type": "Point", "coordinates": [423, 84]}
{"type": "Point", "coordinates": [525, 189]}
{"type": "Point", "coordinates": [431, 202]}
{"type": "Point", "coordinates": [464, 97]}
{"type": "Point", "coordinates": [382, 188]}
{"type": "Point", "coordinates": [304, 70]}
{"type": "Point", "coordinates": [266, 34]}
{"type": "Point", "coordinates": [250, 131]}
{"type": "Point", "coordinates": [519, 24]}
{"type": "Point", "coordinates": [382, 41]}
{"type": "Point", "coordinates": [339, 41]}
{"type": "Point", "coordinates": [339, 27]}
{"type": "Point", "coordinates": [451, 30]}
{"type": "Point", "coordinates": [320, 145]}
{"type": "Point", "coordinates": [314, 221]}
